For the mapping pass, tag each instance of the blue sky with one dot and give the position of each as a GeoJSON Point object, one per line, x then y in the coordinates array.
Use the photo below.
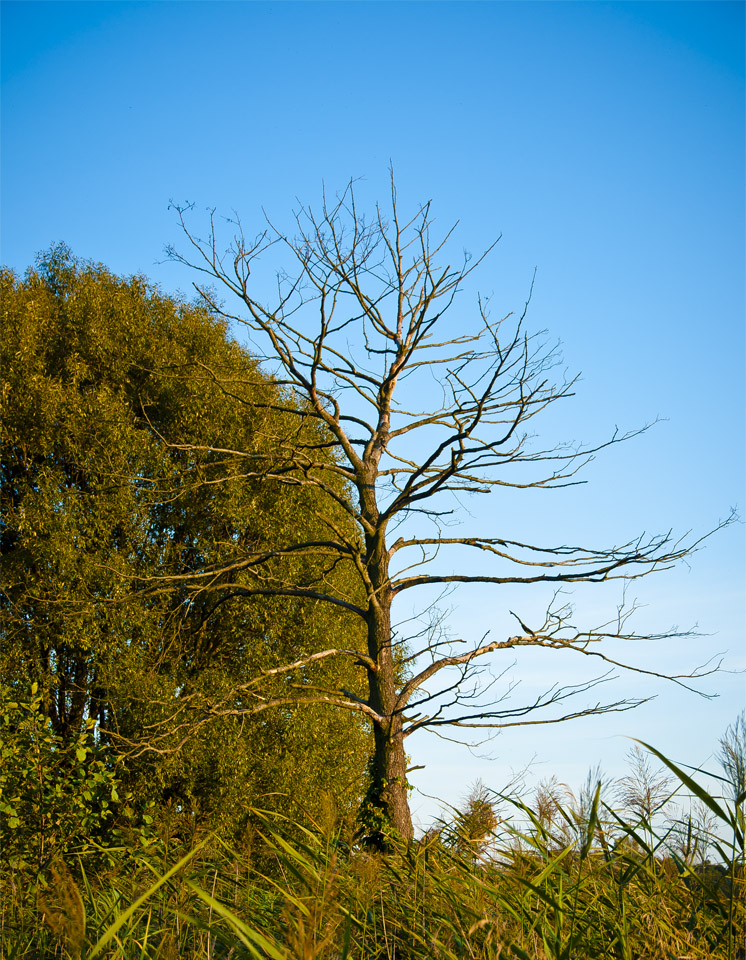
{"type": "Point", "coordinates": [604, 141]}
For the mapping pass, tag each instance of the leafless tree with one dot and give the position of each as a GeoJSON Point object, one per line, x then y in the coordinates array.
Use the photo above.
{"type": "Point", "coordinates": [417, 410]}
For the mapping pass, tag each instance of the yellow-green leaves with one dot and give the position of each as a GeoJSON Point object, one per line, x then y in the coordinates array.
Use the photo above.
{"type": "Point", "coordinates": [115, 507]}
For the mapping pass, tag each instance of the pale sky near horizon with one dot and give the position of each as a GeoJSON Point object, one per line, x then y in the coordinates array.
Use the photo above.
{"type": "Point", "coordinates": [603, 141]}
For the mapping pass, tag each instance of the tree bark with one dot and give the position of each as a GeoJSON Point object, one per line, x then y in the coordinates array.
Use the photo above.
{"type": "Point", "coordinates": [388, 790]}
{"type": "Point", "coordinates": [389, 767]}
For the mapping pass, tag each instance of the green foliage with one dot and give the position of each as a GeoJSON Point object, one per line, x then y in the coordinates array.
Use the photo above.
{"type": "Point", "coordinates": [58, 797]}
{"type": "Point", "coordinates": [112, 393]}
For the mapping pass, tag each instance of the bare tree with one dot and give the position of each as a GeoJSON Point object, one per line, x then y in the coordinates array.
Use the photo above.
{"type": "Point", "coordinates": [416, 411]}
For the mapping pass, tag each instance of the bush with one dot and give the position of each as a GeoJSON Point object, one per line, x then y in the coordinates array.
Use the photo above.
{"type": "Point", "coordinates": [58, 798]}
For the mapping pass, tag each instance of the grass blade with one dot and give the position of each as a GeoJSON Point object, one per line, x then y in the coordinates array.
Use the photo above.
{"type": "Point", "coordinates": [124, 917]}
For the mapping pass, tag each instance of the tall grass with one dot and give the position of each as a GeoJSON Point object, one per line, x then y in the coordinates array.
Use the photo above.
{"type": "Point", "coordinates": [567, 880]}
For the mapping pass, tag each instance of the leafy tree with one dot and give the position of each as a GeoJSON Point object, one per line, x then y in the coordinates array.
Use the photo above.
{"type": "Point", "coordinates": [97, 370]}
{"type": "Point", "coordinates": [421, 410]}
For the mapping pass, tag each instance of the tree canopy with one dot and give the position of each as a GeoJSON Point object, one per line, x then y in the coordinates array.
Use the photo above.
{"type": "Point", "coordinates": [101, 376]}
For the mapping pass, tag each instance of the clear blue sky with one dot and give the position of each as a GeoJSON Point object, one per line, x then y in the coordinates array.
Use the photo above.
{"type": "Point", "coordinates": [604, 141]}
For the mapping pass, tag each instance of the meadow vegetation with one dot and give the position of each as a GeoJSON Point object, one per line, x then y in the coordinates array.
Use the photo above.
{"type": "Point", "coordinates": [643, 868]}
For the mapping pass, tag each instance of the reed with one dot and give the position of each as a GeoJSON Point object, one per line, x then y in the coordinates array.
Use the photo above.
{"type": "Point", "coordinates": [566, 880]}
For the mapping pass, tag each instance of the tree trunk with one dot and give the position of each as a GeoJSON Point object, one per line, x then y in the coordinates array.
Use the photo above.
{"type": "Point", "coordinates": [389, 767]}
{"type": "Point", "coordinates": [390, 780]}
{"type": "Point", "coordinates": [388, 789]}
